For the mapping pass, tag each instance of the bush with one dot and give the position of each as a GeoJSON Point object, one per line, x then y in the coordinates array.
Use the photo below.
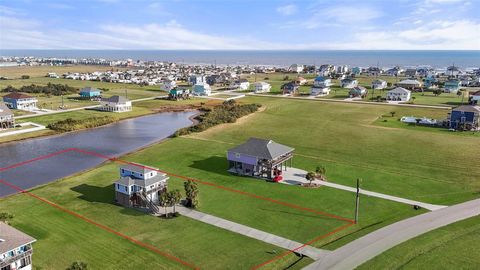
{"type": "Point", "coordinates": [49, 89]}
{"type": "Point", "coordinates": [228, 112]}
{"type": "Point", "coordinates": [70, 124]}
{"type": "Point", "coordinates": [25, 77]}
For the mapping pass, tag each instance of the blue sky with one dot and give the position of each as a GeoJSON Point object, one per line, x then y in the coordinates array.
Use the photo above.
{"type": "Point", "coordinates": [235, 24]}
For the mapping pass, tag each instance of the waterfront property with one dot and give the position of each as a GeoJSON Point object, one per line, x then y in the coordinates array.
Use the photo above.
{"type": "Point", "coordinates": [194, 79]}
{"type": "Point", "coordinates": [6, 117]}
{"type": "Point", "coordinates": [261, 158]}
{"type": "Point", "coordinates": [139, 186]}
{"type": "Point", "coordinates": [241, 84]}
{"type": "Point", "coordinates": [451, 86]}
{"type": "Point", "coordinates": [430, 82]}
{"type": "Point", "coordinates": [290, 88]}
{"type": "Point", "coordinates": [379, 84]}
{"type": "Point", "coordinates": [348, 83]}
{"type": "Point", "coordinates": [20, 101]}
{"type": "Point", "coordinates": [90, 92]}
{"type": "Point", "coordinates": [465, 117]}
{"type": "Point", "coordinates": [358, 92]}
{"type": "Point", "coordinates": [262, 87]}
{"type": "Point", "coordinates": [15, 249]}
{"type": "Point", "coordinates": [168, 85]}
{"type": "Point", "coordinates": [399, 94]}
{"type": "Point", "coordinates": [321, 86]}
{"type": "Point", "coordinates": [202, 89]}
{"type": "Point", "coordinates": [115, 104]}
{"type": "Point", "coordinates": [410, 84]}
{"type": "Point", "coordinates": [179, 93]}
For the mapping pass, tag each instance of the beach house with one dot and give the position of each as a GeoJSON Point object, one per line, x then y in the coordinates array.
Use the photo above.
{"type": "Point", "coordinates": [168, 85]}
{"type": "Point", "coordinates": [453, 71]}
{"type": "Point", "coordinates": [430, 82]}
{"type": "Point", "coordinates": [194, 79]}
{"type": "Point", "coordinates": [139, 186]}
{"type": "Point", "coordinates": [465, 117]}
{"type": "Point", "coordinates": [356, 70]}
{"type": "Point", "coordinates": [241, 84]}
{"type": "Point", "coordinates": [300, 80]}
{"type": "Point", "coordinates": [474, 98]}
{"type": "Point", "coordinates": [289, 88]}
{"type": "Point", "coordinates": [296, 68]}
{"type": "Point", "coordinates": [399, 94]}
{"type": "Point", "coordinates": [20, 101]}
{"type": "Point", "coordinates": [6, 117]}
{"type": "Point", "coordinates": [115, 104]}
{"type": "Point", "coordinates": [15, 249]}
{"type": "Point", "coordinates": [202, 89]}
{"type": "Point", "coordinates": [348, 83]}
{"type": "Point", "coordinates": [410, 84]}
{"type": "Point", "coordinates": [451, 86]}
{"type": "Point", "coordinates": [261, 158]}
{"type": "Point", "coordinates": [379, 84]}
{"type": "Point", "coordinates": [90, 92]}
{"type": "Point", "coordinates": [358, 92]}
{"type": "Point", "coordinates": [179, 93]}
{"type": "Point", "coordinates": [262, 87]}
{"type": "Point", "coordinates": [373, 71]}
{"type": "Point", "coordinates": [321, 86]}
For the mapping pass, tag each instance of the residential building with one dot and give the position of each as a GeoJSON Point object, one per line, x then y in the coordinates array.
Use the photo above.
{"type": "Point", "coordinates": [430, 82]}
{"type": "Point", "coordinates": [241, 84]}
{"type": "Point", "coordinates": [290, 88]}
{"type": "Point", "coordinates": [321, 86]}
{"type": "Point", "coordinates": [356, 70]}
{"type": "Point", "coordinates": [6, 117]}
{"type": "Point", "coordinates": [451, 86]}
{"type": "Point", "coordinates": [410, 84]}
{"type": "Point", "coordinates": [139, 186]}
{"type": "Point", "coordinates": [411, 72]}
{"type": "Point", "coordinates": [261, 158]}
{"type": "Point", "coordinates": [379, 84]}
{"type": "Point", "coordinates": [374, 71]}
{"type": "Point", "coordinates": [168, 85]}
{"type": "Point", "coordinates": [90, 92]}
{"type": "Point", "coordinates": [15, 249]}
{"type": "Point", "coordinates": [474, 98]}
{"type": "Point", "coordinates": [399, 94]}
{"type": "Point", "coordinates": [296, 68]}
{"type": "Point", "coordinates": [358, 92]}
{"type": "Point", "coordinates": [179, 93]}
{"type": "Point", "coordinates": [465, 117]}
{"type": "Point", "coordinates": [202, 89]}
{"type": "Point", "coordinates": [20, 101]}
{"type": "Point", "coordinates": [262, 87]}
{"type": "Point", "coordinates": [348, 83]}
{"type": "Point", "coordinates": [300, 81]}
{"type": "Point", "coordinates": [395, 71]}
{"type": "Point", "coordinates": [115, 104]}
{"type": "Point", "coordinates": [453, 71]}
{"type": "Point", "coordinates": [194, 79]}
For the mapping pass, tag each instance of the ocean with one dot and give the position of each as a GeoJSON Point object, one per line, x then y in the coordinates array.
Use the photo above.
{"type": "Point", "coordinates": [381, 58]}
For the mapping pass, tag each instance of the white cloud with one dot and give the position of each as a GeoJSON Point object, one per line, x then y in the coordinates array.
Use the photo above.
{"type": "Point", "coordinates": [287, 9]}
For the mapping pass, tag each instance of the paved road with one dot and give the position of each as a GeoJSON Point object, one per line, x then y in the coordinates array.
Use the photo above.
{"type": "Point", "coordinates": [355, 102]}
{"type": "Point", "coordinates": [294, 175]}
{"type": "Point", "coordinates": [367, 247]}
{"type": "Point", "coordinates": [309, 251]}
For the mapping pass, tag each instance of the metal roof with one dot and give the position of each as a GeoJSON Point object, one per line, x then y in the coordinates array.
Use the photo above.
{"type": "Point", "coordinates": [262, 148]}
{"type": "Point", "coordinates": [12, 238]}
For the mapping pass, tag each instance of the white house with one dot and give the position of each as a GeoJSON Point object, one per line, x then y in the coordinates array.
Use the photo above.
{"type": "Point", "coordinates": [262, 87]}
{"type": "Point", "coordinates": [20, 101]}
{"type": "Point", "coordinates": [115, 104]}
{"type": "Point", "coordinates": [202, 89]}
{"type": "Point", "coordinates": [296, 68]}
{"type": "Point", "coordinates": [399, 94]}
{"type": "Point", "coordinates": [410, 84]}
{"type": "Point", "coordinates": [379, 84]}
{"type": "Point", "coordinates": [321, 86]}
{"type": "Point", "coordinates": [348, 83]}
{"type": "Point", "coordinates": [15, 249]}
{"type": "Point", "coordinates": [300, 80]}
{"type": "Point", "coordinates": [241, 84]}
{"type": "Point", "coordinates": [168, 85]}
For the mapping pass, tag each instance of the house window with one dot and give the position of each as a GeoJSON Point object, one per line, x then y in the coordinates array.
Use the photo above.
{"type": "Point", "coordinates": [123, 171]}
{"type": "Point", "coordinates": [237, 155]}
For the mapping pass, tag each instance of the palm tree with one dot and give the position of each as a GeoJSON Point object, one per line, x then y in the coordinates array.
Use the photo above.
{"type": "Point", "coordinates": [310, 177]}
{"type": "Point", "coordinates": [5, 217]}
{"type": "Point", "coordinates": [176, 198]}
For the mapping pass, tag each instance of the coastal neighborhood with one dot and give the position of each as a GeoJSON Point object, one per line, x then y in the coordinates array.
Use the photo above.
{"type": "Point", "coordinates": [268, 135]}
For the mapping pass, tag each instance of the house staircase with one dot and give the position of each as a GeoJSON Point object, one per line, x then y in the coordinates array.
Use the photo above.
{"type": "Point", "coordinates": [152, 207]}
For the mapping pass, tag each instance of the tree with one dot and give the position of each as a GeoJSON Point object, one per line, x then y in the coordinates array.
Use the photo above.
{"type": "Point", "coordinates": [393, 113]}
{"type": "Point", "coordinates": [310, 177]}
{"type": "Point", "coordinates": [5, 217]}
{"type": "Point", "coordinates": [77, 266]}
{"type": "Point", "coordinates": [413, 99]}
{"type": "Point", "coordinates": [321, 172]}
{"type": "Point", "coordinates": [437, 92]}
{"type": "Point", "coordinates": [25, 77]}
{"type": "Point", "coordinates": [164, 201]}
{"type": "Point", "coordinates": [191, 191]}
{"type": "Point", "coordinates": [176, 197]}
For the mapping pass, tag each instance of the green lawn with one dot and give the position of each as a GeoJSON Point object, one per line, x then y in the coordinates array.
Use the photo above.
{"type": "Point", "coordinates": [455, 246]}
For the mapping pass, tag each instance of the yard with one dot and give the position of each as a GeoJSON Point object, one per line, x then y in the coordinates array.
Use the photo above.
{"type": "Point", "coordinates": [432, 167]}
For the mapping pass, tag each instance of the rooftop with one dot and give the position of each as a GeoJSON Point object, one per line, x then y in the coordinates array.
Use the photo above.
{"type": "Point", "coordinates": [16, 95]}
{"type": "Point", "coordinates": [12, 238]}
{"type": "Point", "coordinates": [262, 148]}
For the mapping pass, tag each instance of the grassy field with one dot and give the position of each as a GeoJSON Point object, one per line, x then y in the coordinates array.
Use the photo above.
{"type": "Point", "coordinates": [40, 71]}
{"type": "Point", "coordinates": [427, 166]}
{"type": "Point", "coordinates": [455, 246]}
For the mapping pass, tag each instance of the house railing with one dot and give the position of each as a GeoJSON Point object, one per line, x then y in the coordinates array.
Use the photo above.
{"type": "Point", "coordinates": [9, 260]}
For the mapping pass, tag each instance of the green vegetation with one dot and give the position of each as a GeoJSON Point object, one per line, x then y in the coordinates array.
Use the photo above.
{"type": "Point", "coordinates": [49, 89]}
{"type": "Point", "coordinates": [455, 246]}
{"type": "Point", "coordinates": [70, 124]}
{"type": "Point", "coordinates": [228, 112]}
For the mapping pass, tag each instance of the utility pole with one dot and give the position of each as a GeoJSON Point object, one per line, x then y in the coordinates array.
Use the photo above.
{"type": "Point", "coordinates": [357, 201]}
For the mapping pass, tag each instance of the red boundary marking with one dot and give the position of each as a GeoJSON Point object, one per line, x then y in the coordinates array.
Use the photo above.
{"type": "Point", "coordinates": [152, 248]}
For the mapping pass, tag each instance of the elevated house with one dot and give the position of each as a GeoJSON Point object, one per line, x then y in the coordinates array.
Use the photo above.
{"type": "Point", "coordinates": [241, 84]}
{"type": "Point", "coordinates": [201, 89]}
{"type": "Point", "coordinates": [395, 71]}
{"type": "Point", "coordinates": [321, 86]}
{"type": "Point", "coordinates": [262, 87]}
{"type": "Point", "coordinates": [411, 72]}
{"type": "Point", "coordinates": [115, 104]}
{"type": "Point", "coordinates": [139, 186]}
{"type": "Point", "coordinates": [453, 71]}
{"type": "Point", "coordinates": [399, 94]}
{"type": "Point", "coordinates": [451, 86]}
{"type": "Point", "coordinates": [194, 79]}
{"type": "Point", "coordinates": [356, 70]}
{"type": "Point", "coordinates": [300, 80]}
{"type": "Point", "coordinates": [15, 249]}
{"type": "Point", "coordinates": [348, 83]}
{"type": "Point", "coordinates": [430, 82]}
{"type": "Point", "coordinates": [290, 88]}
{"type": "Point", "coordinates": [179, 93]}
{"type": "Point", "coordinates": [260, 158]}
{"type": "Point", "coordinates": [6, 117]}
{"type": "Point", "coordinates": [20, 101]}
{"type": "Point", "coordinates": [168, 85]}
{"type": "Point", "coordinates": [410, 84]}
{"type": "Point", "coordinates": [90, 92]}
{"type": "Point", "coordinates": [465, 117]}
{"type": "Point", "coordinates": [373, 71]}
{"type": "Point", "coordinates": [217, 79]}
{"type": "Point", "coordinates": [379, 84]}
{"type": "Point", "coordinates": [296, 68]}
{"type": "Point", "coordinates": [358, 92]}
{"type": "Point", "coordinates": [474, 98]}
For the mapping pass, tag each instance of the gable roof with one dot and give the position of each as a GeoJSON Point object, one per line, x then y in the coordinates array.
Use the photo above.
{"type": "Point", "coordinates": [89, 90]}
{"type": "Point", "coordinates": [475, 93]}
{"type": "Point", "coordinates": [262, 148]}
{"type": "Point", "coordinates": [138, 168]}
{"type": "Point", "coordinates": [13, 238]}
{"type": "Point", "coordinates": [129, 181]}
{"type": "Point", "coordinates": [408, 81]}
{"type": "Point", "coordinates": [17, 95]}
{"type": "Point", "coordinates": [116, 99]}
{"type": "Point", "coordinates": [468, 108]}
{"type": "Point", "coordinates": [399, 89]}
{"type": "Point", "coordinates": [4, 110]}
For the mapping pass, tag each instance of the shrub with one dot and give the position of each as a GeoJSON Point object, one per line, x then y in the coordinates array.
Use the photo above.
{"type": "Point", "coordinates": [49, 89]}
{"type": "Point", "coordinates": [70, 124]}
{"type": "Point", "coordinates": [25, 77]}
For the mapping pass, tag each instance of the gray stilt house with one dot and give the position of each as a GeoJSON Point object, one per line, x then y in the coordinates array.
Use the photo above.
{"type": "Point", "coordinates": [260, 158]}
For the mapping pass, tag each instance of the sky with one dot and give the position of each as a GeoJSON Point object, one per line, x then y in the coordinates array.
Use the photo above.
{"type": "Point", "coordinates": [241, 24]}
